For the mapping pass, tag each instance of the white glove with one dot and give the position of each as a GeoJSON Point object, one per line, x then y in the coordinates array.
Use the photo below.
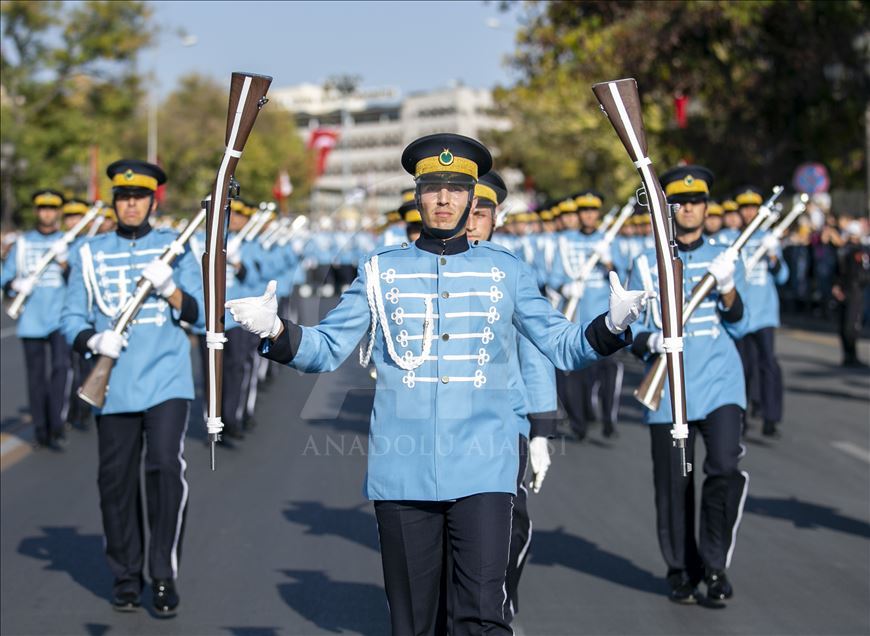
{"type": "Point", "coordinates": [234, 254]}
{"type": "Point", "coordinates": [602, 249]}
{"type": "Point", "coordinates": [770, 244]}
{"type": "Point", "coordinates": [160, 275]}
{"type": "Point", "coordinates": [60, 251]}
{"type": "Point", "coordinates": [258, 314]}
{"type": "Point", "coordinates": [539, 457]}
{"type": "Point", "coordinates": [107, 343]}
{"type": "Point", "coordinates": [722, 268]}
{"type": "Point", "coordinates": [574, 289]}
{"type": "Point", "coordinates": [23, 285]}
{"type": "Point", "coordinates": [625, 306]}
{"type": "Point", "coordinates": [655, 343]}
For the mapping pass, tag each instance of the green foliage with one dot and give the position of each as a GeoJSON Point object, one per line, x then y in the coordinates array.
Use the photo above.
{"type": "Point", "coordinates": [192, 125]}
{"type": "Point", "coordinates": [771, 84]}
{"type": "Point", "coordinates": [68, 82]}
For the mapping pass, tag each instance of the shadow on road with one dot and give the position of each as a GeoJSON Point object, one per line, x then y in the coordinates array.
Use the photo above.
{"type": "Point", "coordinates": [97, 629]}
{"type": "Point", "coordinates": [79, 555]}
{"type": "Point", "coordinates": [336, 606]}
{"type": "Point", "coordinates": [829, 393]}
{"type": "Point", "coordinates": [253, 631]}
{"type": "Point", "coordinates": [352, 524]}
{"type": "Point", "coordinates": [557, 547]}
{"type": "Point", "coordinates": [806, 515]}
{"type": "Point", "coordinates": [354, 415]}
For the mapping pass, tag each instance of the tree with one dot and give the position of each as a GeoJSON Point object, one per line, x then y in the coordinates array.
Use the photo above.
{"type": "Point", "coordinates": [192, 122]}
{"type": "Point", "coordinates": [68, 81]}
{"type": "Point", "coordinates": [770, 85]}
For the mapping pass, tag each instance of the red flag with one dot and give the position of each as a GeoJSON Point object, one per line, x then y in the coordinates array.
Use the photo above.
{"type": "Point", "coordinates": [681, 104]}
{"type": "Point", "coordinates": [283, 187]}
{"type": "Point", "coordinates": [322, 140]}
{"type": "Point", "coordinates": [94, 184]}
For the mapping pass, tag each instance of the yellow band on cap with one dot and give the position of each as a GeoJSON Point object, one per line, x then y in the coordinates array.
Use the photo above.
{"type": "Point", "coordinates": [75, 208]}
{"type": "Point", "coordinates": [133, 180]}
{"type": "Point", "coordinates": [587, 201]}
{"type": "Point", "coordinates": [687, 186]}
{"type": "Point", "coordinates": [485, 192]}
{"type": "Point", "coordinates": [408, 196]}
{"type": "Point", "coordinates": [715, 209]}
{"type": "Point", "coordinates": [729, 206]}
{"type": "Point", "coordinates": [47, 201]}
{"type": "Point", "coordinates": [749, 198]}
{"type": "Point", "coordinates": [435, 164]}
{"type": "Point", "coordinates": [546, 215]}
{"type": "Point", "coordinates": [567, 206]}
{"type": "Point", "coordinates": [413, 216]}
{"type": "Point", "coordinates": [393, 216]}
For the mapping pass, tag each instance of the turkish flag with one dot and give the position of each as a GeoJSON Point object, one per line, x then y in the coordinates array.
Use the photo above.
{"type": "Point", "coordinates": [322, 140]}
{"type": "Point", "coordinates": [283, 187]}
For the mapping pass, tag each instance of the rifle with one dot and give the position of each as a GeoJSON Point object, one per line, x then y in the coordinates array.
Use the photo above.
{"type": "Point", "coordinates": [237, 240]}
{"type": "Point", "coordinates": [649, 391]}
{"type": "Point", "coordinates": [297, 226]}
{"type": "Point", "coordinates": [608, 219]}
{"type": "Point", "coordinates": [620, 101]}
{"type": "Point", "coordinates": [780, 230]}
{"type": "Point", "coordinates": [96, 386]}
{"type": "Point", "coordinates": [592, 261]}
{"type": "Point", "coordinates": [247, 97]}
{"type": "Point", "coordinates": [266, 216]}
{"type": "Point", "coordinates": [95, 226]}
{"type": "Point", "coordinates": [17, 306]}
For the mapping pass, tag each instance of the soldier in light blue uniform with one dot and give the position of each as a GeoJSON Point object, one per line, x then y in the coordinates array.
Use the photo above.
{"type": "Point", "coordinates": [535, 378]}
{"type": "Point", "coordinates": [151, 387]}
{"type": "Point", "coordinates": [46, 354]}
{"type": "Point", "coordinates": [763, 374]}
{"type": "Point", "coordinates": [602, 381]}
{"type": "Point", "coordinates": [715, 399]}
{"type": "Point", "coordinates": [713, 221]}
{"type": "Point", "coordinates": [441, 317]}
{"type": "Point", "coordinates": [732, 222]}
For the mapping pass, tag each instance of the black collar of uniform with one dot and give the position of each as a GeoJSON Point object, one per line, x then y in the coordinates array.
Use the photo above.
{"type": "Point", "coordinates": [133, 233]}
{"type": "Point", "coordinates": [584, 231]}
{"type": "Point", "coordinates": [691, 247]}
{"type": "Point", "coordinates": [455, 245]}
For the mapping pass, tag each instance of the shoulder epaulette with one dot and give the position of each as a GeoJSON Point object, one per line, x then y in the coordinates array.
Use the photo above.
{"type": "Point", "coordinates": [495, 247]}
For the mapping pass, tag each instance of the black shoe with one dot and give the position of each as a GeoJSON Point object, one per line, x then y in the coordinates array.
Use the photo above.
{"type": "Point", "coordinates": [610, 433]}
{"type": "Point", "coordinates": [683, 591]}
{"type": "Point", "coordinates": [769, 430]}
{"type": "Point", "coordinates": [165, 597]}
{"type": "Point", "coordinates": [126, 601]}
{"type": "Point", "coordinates": [718, 587]}
{"type": "Point", "coordinates": [233, 433]}
{"type": "Point", "coordinates": [58, 442]}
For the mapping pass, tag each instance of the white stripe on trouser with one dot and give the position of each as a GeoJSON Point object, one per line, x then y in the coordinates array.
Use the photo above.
{"type": "Point", "coordinates": [173, 555]}
{"type": "Point", "coordinates": [67, 388]}
{"type": "Point", "coordinates": [617, 390]}
{"type": "Point", "coordinates": [251, 402]}
{"type": "Point", "coordinates": [504, 584]}
{"type": "Point", "coordinates": [739, 517]}
{"type": "Point", "coordinates": [243, 393]}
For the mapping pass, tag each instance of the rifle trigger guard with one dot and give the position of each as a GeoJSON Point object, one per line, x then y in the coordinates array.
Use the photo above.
{"type": "Point", "coordinates": [641, 198]}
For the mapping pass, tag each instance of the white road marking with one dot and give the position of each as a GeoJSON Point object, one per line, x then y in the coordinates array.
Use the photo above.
{"type": "Point", "coordinates": [852, 449]}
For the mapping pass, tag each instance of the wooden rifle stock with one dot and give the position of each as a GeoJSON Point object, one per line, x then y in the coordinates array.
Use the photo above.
{"type": "Point", "coordinates": [247, 97]}
{"type": "Point", "coordinates": [96, 386]}
{"type": "Point", "coordinates": [621, 103]}
{"type": "Point", "coordinates": [649, 391]}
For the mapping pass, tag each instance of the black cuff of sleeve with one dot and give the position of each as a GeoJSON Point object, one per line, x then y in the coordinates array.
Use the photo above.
{"type": "Point", "coordinates": [189, 309]}
{"type": "Point", "coordinates": [543, 424]}
{"type": "Point", "coordinates": [80, 344]}
{"type": "Point", "coordinates": [7, 289]}
{"type": "Point", "coordinates": [242, 274]}
{"type": "Point", "coordinates": [604, 342]}
{"type": "Point", "coordinates": [283, 349]}
{"type": "Point", "coordinates": [774, 269]}
{"type": "Point", "coordinates": [733, 313]}
{"type": "Point", "coordinates": [640, 346]}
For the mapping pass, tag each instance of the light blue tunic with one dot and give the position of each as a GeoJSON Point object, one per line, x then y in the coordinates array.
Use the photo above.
{"type": "Point", "coordinates": [444, 424]}
{"type": "Point", "coordinates": [713, 371]}
{"type": "Point", "coordinates": [761, 282]}
{"type": "Point", "coordinates": [41, 311]}
{"type": "Point", "coordinates": [155, 366]}
{"type": "Point", "coordinates": [574, 249]}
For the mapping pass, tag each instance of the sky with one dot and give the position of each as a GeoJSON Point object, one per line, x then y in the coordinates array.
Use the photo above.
{"type": "Point", "coordinates": [409, 45]}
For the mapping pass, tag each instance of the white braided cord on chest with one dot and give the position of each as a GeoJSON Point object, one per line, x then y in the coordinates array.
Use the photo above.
{"type": "Point", "coordinates": [564, 251]}
{"type": "Point", "coordinates": [379, 315]}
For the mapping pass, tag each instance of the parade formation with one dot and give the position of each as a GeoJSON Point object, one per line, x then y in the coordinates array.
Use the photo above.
{"type": "Point", "coordinates": [491, 324]}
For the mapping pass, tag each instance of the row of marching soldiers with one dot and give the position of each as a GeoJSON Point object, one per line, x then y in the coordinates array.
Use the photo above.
{"type": "Point", "coordinates": [74, 300]}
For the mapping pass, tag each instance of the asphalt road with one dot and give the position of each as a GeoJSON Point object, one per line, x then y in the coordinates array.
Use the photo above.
{"type": "Point", "coordinates": [280, 540]}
